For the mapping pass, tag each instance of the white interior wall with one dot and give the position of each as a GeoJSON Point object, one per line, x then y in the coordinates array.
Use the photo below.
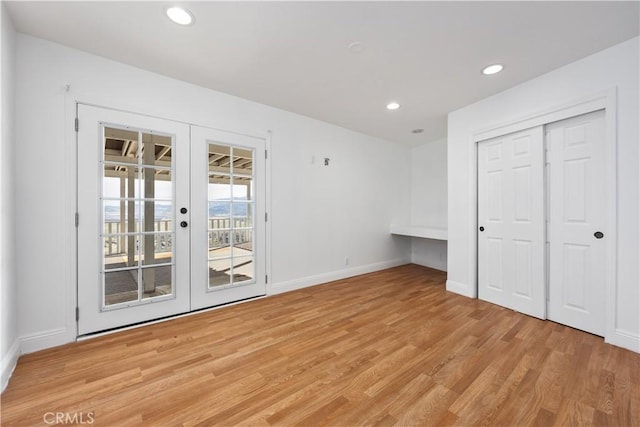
{"type": "Point", "coordinates": [616, 67]}
{"type": "Point", "coordinates": [429, 201]}
{"type": "Point", "coordinates": [319, 215]}
{"type": "Point", "coordinates": [9, 347]}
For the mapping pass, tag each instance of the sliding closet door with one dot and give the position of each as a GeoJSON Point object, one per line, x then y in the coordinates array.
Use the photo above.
{"type": "Point", "coordinates": [577, 222]}
{"type": "Point", "coordinates": [511, 270]}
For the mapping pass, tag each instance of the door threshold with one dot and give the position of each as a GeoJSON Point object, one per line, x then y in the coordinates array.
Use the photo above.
{"type": "Point", "coordinates": [92, 335]}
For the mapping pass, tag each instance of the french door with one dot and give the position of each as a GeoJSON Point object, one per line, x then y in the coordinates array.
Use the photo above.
{"type": "Point", "coordinates": [228, 215]}
{"type": "Point", "coordinates": [166, 219]}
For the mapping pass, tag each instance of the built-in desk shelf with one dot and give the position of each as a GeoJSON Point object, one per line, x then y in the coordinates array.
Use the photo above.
{"type": "Point", "coordinates": [419, 231]}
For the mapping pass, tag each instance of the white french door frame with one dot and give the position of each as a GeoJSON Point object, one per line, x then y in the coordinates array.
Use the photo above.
{"type": "Point", "coordinates": [602, 101]}
{"type": "Point", "coordinates": [73, 98]}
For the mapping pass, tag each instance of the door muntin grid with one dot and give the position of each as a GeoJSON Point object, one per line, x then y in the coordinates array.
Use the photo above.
{"type": "Point", "coordinates": [230, 216]}
{"type": "Point", "coordinates": [138, 216]}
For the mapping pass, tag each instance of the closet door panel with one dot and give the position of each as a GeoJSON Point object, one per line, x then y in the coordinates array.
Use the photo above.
{"type": "Point", "coordinates": [576, 214]}
{"type": "Point", "coordinates": [511, 262]}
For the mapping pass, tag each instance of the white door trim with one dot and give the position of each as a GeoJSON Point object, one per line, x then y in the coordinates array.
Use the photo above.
{"type": "Point", "coordinates": [603, 100]}
{"type": "Point", "coordinates": [267, 207]}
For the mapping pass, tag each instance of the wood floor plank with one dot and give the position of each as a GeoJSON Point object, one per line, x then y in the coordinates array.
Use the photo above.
{"type": "Point", "coordinates": [544, 418]}
{"type": "Point", "coordinates": [386, 348]}
{"type": "Point", "coordinates": [574, 413]}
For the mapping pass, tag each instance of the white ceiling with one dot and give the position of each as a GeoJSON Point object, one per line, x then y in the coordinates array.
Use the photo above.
{"type": "Point", "coordinates": [295, 56]}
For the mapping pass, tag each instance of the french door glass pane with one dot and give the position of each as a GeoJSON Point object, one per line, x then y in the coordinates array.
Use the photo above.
{"type": "Point", "coordinates": [219, 272]}
{"type": "Point", "coordinates": [242, 214]}
{"type": "Point", "coordinates": [230, 210]}
{"type": "Point", "coordinates": [242, 268]}
{"type": "Point", "coordinates": [138, 221]}
{"type": "Point", "coordinates": [120, 216]}
{"type": "Point", "coordinates": [120, 181]}
{"type": "Point", "coordinates": [242, 188]}
{"type": "Point", "coordinates": [120, 145]}
{"type": "Point", "coordinates": [157, 216]}
{"type": "Point", "coordinates": [218, 239]}
{"type": "Point", "coordinates": [120, 251]}
{"type": "Point", "coordinates": [120, 287]}
{"type": "Point", "coordinates": [156, 281]}
{"type": "Point", "coordinates": [219, 212]}
{"type": "Point", "coordinates": [242, 161]}
{"type": "Point", "coordinates": [220, 159]}
{"type": "Point", "coordinates": [157, 248]}
{"type": "Point", "coordinates": [242, 241]}
{"type": "Point", "coordinates": [156, 184]}
{"type": "Point", "coordinates": [156, 150]}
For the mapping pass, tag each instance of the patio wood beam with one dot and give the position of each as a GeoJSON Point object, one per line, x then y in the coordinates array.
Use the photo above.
{"type": "Point", "coordinates": [221, 169]}
{"type": "Point", "coordinates": [162, 153]}
{"type": "Point", "coordinates": [133, 161]}
{"type": "Point", "coordinates": [122, 173]}
{"type": "Point", "coordinates": [215, 158]}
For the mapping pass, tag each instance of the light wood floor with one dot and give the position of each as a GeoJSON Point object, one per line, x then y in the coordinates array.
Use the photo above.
{"type": "Point", "coordinates": [386, 348]}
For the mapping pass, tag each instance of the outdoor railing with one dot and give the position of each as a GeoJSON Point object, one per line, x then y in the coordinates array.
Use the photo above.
{"type": "Point", "coordinates": [220, 234]}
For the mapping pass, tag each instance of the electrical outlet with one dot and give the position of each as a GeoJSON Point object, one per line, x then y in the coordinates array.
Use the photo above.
{"type": "Point", "coordinates": [346, 260]}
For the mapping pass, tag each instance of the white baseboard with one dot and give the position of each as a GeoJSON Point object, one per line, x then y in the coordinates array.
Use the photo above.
{"type": "Point", "coordinates": [44, 339]}
{"type": "Point", "coordinates": [435, 265]}
{"type": "Point", "coordinates": [625, 339]}
{"type": "Point", "coordinates": [9, 362]}
{"type": "Point", "coordinates": [459, 288]}
{"type": "Point", "coordinates": [292, 285]}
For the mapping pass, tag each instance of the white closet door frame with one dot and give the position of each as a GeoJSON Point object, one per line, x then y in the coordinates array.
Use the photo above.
{"type": "Point", "coordinates": [606, 100]}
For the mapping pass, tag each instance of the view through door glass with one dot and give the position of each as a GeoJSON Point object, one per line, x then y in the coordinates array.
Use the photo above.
{"type": "Point", "coordinates": [138, 228]}
{"type": "Point", "coordinates": [230, 216]}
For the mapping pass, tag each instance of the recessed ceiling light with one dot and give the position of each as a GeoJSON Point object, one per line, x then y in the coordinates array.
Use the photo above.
{"type": "Point", "coordinates": [180, 15]}
{"type": "Point", "coordinates": [393, 106]}
{"type": "Point", "coordinates": [492, 69]}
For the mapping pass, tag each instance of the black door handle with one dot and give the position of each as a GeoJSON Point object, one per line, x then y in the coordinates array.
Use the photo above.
{"type": "Point", "coordinates": [598, 234]}
{"type": "Point", "coordinates": [481, 228]}
{"type": "Point", "coordinates": [183, 224]}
